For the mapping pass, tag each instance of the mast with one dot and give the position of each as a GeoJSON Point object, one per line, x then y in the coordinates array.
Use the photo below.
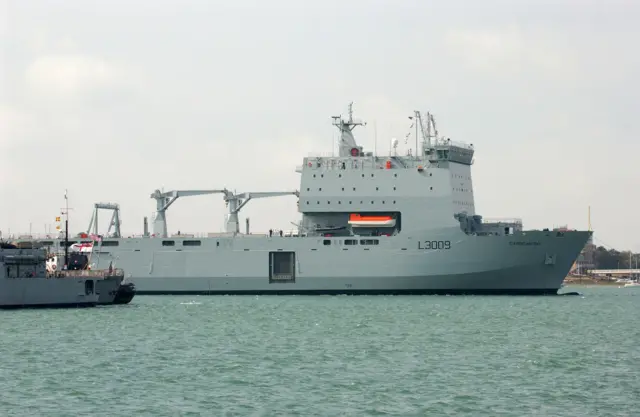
{"type": "Point", "coordinates": [347, 141]}
{"type": "Point", "coordinates": [66, 231]}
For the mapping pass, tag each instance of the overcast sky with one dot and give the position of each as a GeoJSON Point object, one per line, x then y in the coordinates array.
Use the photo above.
{"type": "Point", "coordinates": [113, 99]}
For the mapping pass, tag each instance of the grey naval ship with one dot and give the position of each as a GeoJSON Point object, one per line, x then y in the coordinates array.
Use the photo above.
{"type": "Point", "coordinates": [394, 224]}
{"type": "Point", "coordinates": [26, 281]}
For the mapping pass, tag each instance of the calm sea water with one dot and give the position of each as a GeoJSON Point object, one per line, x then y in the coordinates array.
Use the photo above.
{"type": "Point", "coordinates": [327, 356]}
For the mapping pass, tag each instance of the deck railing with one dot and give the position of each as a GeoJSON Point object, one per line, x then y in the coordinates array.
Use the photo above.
{"type": "Point", "coordinates": [87, 273]}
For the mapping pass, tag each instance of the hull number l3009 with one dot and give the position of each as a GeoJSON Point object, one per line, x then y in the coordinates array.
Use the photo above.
{"type": "Point", "coordinates": [434, 244]}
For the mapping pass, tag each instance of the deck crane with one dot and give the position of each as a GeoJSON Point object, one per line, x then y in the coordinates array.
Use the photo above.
{"type": "Point", "coordinates": [115, 218]}
{"type": "Point", "coordinates": [234, 202]}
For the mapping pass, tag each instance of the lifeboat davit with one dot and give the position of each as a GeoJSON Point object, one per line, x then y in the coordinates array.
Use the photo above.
{"type": "Point", "coordinates": [358, 220]}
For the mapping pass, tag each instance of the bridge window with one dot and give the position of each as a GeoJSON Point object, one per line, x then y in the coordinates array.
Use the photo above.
{"type": "Point", "coordinates": [168, 243]}
{"type": "Point", "coordinates": [326, 242]}
{"type": "Point", "coordinates": [191, 243]}
{"type": "Point", "coordinates": [350, 242]}
{"type": "Point", "coordinates": [369, 241]}
{"type": "Point", "coordinates": [110, 243]}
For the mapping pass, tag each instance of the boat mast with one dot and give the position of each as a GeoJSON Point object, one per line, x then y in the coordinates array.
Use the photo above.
{"type": "Point", "coordinates": [66, 231]}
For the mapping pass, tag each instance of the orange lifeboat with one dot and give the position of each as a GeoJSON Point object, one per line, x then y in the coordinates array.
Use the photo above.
{"type": "Point", "coordinates": [358, 220]}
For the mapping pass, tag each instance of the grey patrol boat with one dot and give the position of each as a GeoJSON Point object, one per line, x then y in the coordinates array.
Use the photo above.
{"type": "Point", "coordinates": [395, 224]}
{"type": "Point", "coordinates": [25, 282]}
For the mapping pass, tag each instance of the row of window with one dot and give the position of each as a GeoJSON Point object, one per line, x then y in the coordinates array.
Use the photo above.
{"type": "Point", "coordinates": [463, 203]}
{"type": "Point", "coordinates": [364, 175]}
{"type": "Point", "coordinates": [351, 202]}
{"type": "Point", "coordinates": [199, 243]}
{"type": "Point", "coordinates": [354, 188]}
{"type": "Point", "coordinates": [351, 242]}
{"type": "Point", "coordinates": [460, 176]}
{"type": "Point", "coordinates": [184, 243]}
{"type": "Point", "coordinates": [462, 190]}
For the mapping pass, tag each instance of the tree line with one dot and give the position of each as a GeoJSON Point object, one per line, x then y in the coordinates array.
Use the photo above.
{"type": "Point", "coordinates": [604, 258]}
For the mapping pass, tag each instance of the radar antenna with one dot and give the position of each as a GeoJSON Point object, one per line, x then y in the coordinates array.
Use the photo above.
{"type": "Point", "coordinates": [348, 145]}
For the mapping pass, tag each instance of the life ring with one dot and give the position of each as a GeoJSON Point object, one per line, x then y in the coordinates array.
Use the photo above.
{"type": "Point", "coordinates": [53, 267]}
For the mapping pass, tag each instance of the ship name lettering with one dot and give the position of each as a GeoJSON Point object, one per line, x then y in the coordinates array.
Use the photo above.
{"type": "Point", "coordinates": [434, 244]}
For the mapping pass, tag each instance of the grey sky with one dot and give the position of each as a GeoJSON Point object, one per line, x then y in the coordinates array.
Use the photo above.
{"type": "Point", "coordinates": [113, 99]}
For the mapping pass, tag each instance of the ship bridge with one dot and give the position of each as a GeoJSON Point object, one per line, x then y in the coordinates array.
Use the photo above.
{"type": "Point", "coordinates": [424, 187]}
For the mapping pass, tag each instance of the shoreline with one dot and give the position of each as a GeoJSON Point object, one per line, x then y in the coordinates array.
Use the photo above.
{"type": "Point", "coordinates": [585, 280]}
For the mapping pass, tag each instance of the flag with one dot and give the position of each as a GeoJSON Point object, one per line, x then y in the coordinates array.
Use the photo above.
{"type": "Point", "coordinates": [58, 218]}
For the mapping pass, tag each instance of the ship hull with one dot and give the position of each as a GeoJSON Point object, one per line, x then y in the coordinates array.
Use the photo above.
{"type": "Point", "coordinates": [528, 263]}
{"type": "Point", "coordinates": [108, 289]}
{"type": "Point", "coordinates": [45, 293]}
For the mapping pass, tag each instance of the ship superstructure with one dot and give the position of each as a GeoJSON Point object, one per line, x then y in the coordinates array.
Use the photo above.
{"type": "Point", "coordinates": [390, 224]}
